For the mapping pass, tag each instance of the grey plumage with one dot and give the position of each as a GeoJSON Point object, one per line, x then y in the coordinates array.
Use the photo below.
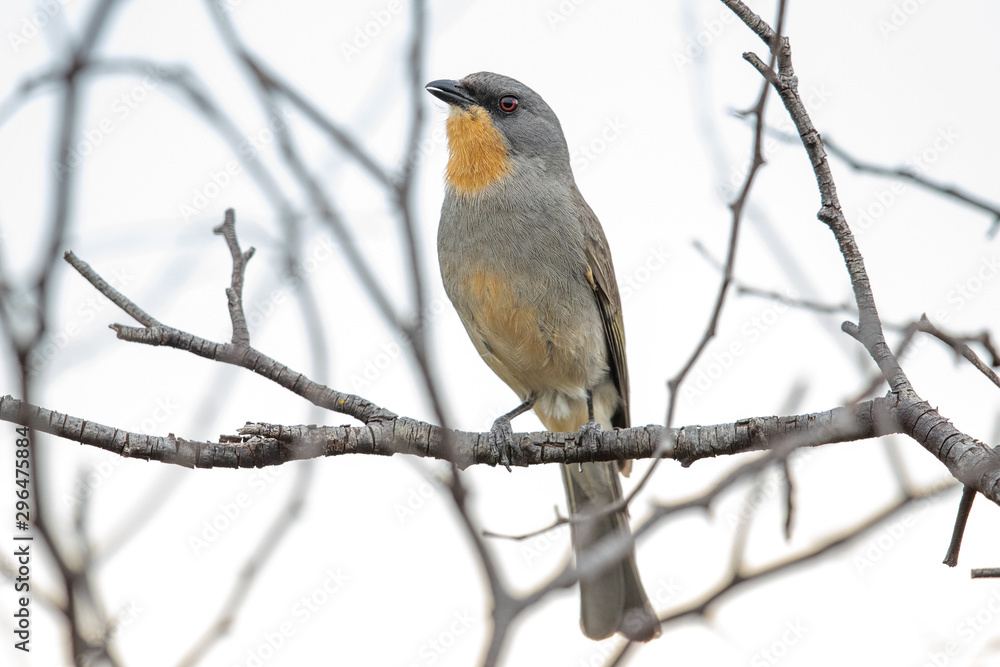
{"type": "Point", "coordinates": [527, 266]}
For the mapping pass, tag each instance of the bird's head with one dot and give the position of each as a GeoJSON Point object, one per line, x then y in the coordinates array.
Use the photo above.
{"type": "Point", "coordinates": [496, 123]}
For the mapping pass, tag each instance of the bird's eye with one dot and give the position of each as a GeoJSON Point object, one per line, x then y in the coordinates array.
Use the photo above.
{"type": "Point", "coordinates": [508, 103]}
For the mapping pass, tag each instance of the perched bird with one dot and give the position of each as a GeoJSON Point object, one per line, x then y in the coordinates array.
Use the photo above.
{"type": "Point", "coordinates": [527, 266]}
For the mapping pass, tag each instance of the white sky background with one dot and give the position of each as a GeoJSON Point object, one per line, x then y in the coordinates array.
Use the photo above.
{"type": "Point", "coordinates": [888, 80]}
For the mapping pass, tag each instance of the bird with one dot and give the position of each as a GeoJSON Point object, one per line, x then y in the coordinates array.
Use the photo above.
{"type": "Point", "coordinates": [527, 266]}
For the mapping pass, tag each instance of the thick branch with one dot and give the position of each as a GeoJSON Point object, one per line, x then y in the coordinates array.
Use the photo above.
{"type": "Point", "coordinates": [259, 445]}
{"type": "Point", "coordinates": [262, 445]}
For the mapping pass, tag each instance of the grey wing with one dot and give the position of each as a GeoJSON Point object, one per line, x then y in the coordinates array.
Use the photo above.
{"type": "Point", "coordinates": [601, 275]}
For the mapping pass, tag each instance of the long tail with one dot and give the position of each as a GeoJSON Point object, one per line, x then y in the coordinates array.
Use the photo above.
{"type": "Point", "coordinates": [613, 600]}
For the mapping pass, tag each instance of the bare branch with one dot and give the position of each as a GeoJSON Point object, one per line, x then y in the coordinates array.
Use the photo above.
{"type": "Point", "coordinates": [964, 508]}
{"type": "Point", "coordinates": [74, 582]}
{"type": "Point", "coordinates": [900, 173]}
{"type": "Point", "coordinates": [116, 297]}
{"type": "Point", "coordinates": [270, 83]}
{"type": "Point", "coordinates": [756, 161]}
{"type": "Point", "coordinates": [986, 573]}
{"type": "Point", "coordinates": [738, 579]}
{"type": "Point", "coordinates": [958, 344]}
{"type": "Point", "coordinates": [737, 206]}
{"type": "Point", "coordinates": [914, 177]}
{"type": "Point", "coordinates": [560, 520]}
{"type": "Point", "coordinates": [236, 354]}
{"type": "Point", "coordinates": [968, 460]}
{"type": "Point", "coordinates": [260, 445]}
{"type": "Point", "coordinates": [806, 304]}
{"type": "Point", "coordinates": [241, 334]}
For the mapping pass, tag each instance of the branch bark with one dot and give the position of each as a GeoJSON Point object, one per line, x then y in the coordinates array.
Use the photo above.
{"type": "Point", "coordinates": [260, 445]}
{"type": "Point", "coordinates": [386, 433]}
{"type": "Point", "coordinates": [971, 462]}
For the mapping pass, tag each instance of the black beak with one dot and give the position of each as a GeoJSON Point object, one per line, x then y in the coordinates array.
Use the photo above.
{"type": "Point", "coordinates": [451, 92]}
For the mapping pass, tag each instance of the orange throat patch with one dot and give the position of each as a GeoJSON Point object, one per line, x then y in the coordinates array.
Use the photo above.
{"type": "Point", "coordinates": [477, 156]}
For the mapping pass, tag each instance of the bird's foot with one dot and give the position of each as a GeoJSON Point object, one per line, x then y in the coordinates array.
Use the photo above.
{"type": "Point", "coordinates": [588, 436]}
{"type": "Point", "coordinates": [501, 438]}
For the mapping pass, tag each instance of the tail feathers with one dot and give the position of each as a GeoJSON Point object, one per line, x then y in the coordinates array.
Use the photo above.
{"type": "Point", "coordinates": [612, 600]}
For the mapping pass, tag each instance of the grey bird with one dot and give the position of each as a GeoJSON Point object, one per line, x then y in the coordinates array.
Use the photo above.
{"type": "Point", "coordinates": [527, 266]}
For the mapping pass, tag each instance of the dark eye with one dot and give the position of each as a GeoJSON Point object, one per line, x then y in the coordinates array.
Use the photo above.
{"type": "Point", "coordinates": [508, 103]}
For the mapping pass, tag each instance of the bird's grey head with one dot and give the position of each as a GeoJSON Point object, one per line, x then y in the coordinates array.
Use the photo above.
{"type": "Point", "coordinates": [531, 131]}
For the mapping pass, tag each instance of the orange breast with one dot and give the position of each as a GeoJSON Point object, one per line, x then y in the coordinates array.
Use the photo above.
{"type": "Point", "coordinates": [510, 326]}
{"type": "Point", "coordinates": [529, 340]}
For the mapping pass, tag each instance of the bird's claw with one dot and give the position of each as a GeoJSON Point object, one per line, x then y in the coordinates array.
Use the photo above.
{"type": "Point", "coordinates": [501, 440]}
{"type": "Point", "coordinates": [588, 436]}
